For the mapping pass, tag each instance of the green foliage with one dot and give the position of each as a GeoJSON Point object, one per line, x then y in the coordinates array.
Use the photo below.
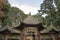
{"type": "Point", "coordinates": [47, 7]}
{"type": "Point", "coordinates": [57, 2]}
{"type": "Point", "coordinates": [12, 14]}
{"type": "Point", "coordinates": [16, 15]}
{"type": "Point", "coordinates": [5, 9]}
{"type": "Point", "coordinates": [52, 11]}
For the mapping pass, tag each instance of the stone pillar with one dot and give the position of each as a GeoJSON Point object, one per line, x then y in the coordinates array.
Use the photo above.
{"type": "Point", "coordinates": [53, 36]}
{"type": "Point", "coordinates": [6, 36]}
{"type": "Point", "coordinates": [58, 37]}
{"type": "Point", "coordinates": [39, 36]}
{"type": "Point", "coordinates": [36, 34]}
{"type": "Point", "coordinates": [2, 36]}
{"type": "Point", "coordinates": [25, 34]}
{"type": "Point", "coordinates": [20, 37]}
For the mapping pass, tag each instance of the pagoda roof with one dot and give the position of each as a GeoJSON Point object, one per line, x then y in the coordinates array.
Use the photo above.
{"type": "Point", "coordinates": [9, 29]}
{"type": "Point", "coordinates": [50, 29]}
{"type": "Point", "coordinates": [3, 28]}
{"type": "Point", "coordinates": [31, 20]}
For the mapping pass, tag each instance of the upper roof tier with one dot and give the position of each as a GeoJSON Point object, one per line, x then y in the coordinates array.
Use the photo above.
{"type": "Point", "coordinates": [31, 20]}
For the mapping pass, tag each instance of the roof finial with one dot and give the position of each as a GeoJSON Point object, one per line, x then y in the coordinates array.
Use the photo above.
{"type": "Point", "coordinates": [30, 13]}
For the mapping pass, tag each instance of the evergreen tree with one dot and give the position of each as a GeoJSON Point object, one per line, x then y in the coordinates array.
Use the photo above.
{"type": "Point", "coordinates": [16, 15]}
{"type": "Point", "coordinates": [4, 6]}
{"type": "Point", "coordinates": [47, 7]}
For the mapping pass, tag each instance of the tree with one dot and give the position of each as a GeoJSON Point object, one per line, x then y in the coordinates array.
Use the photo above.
{"type": "Point", "coordinates": [4, 5]}
{"type": "Point", "coordinates": [52, 11]}
{"type": "Point", "coordinates": [47, 7]}
{"type": "Point", "coordinates": [16, 15]}
{"type": "Point", "coordinates": [57, 3]}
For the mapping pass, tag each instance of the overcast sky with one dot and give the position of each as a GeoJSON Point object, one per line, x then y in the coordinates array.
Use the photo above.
{"type": "Point", "coordinates": [27, 5]}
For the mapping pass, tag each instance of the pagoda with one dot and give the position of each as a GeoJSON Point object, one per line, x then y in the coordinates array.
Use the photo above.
{"type": "Point", "coordinates": [30, 28]}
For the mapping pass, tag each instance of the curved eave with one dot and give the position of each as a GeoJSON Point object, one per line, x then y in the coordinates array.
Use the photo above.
{"type": "Point", "coordinates": [54, 31]}
{"type": "Point", "coordinates": [3, 29]}
{"type": "Point", "coordinates": [23, 25]}
{"type": "Point", "coordinates": [45, 31]}
{"type": "Point", "coordinates": [29, 25]}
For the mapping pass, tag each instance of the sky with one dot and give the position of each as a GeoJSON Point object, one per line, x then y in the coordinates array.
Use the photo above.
{"type": "Point", "coordinates": [27, 6]}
